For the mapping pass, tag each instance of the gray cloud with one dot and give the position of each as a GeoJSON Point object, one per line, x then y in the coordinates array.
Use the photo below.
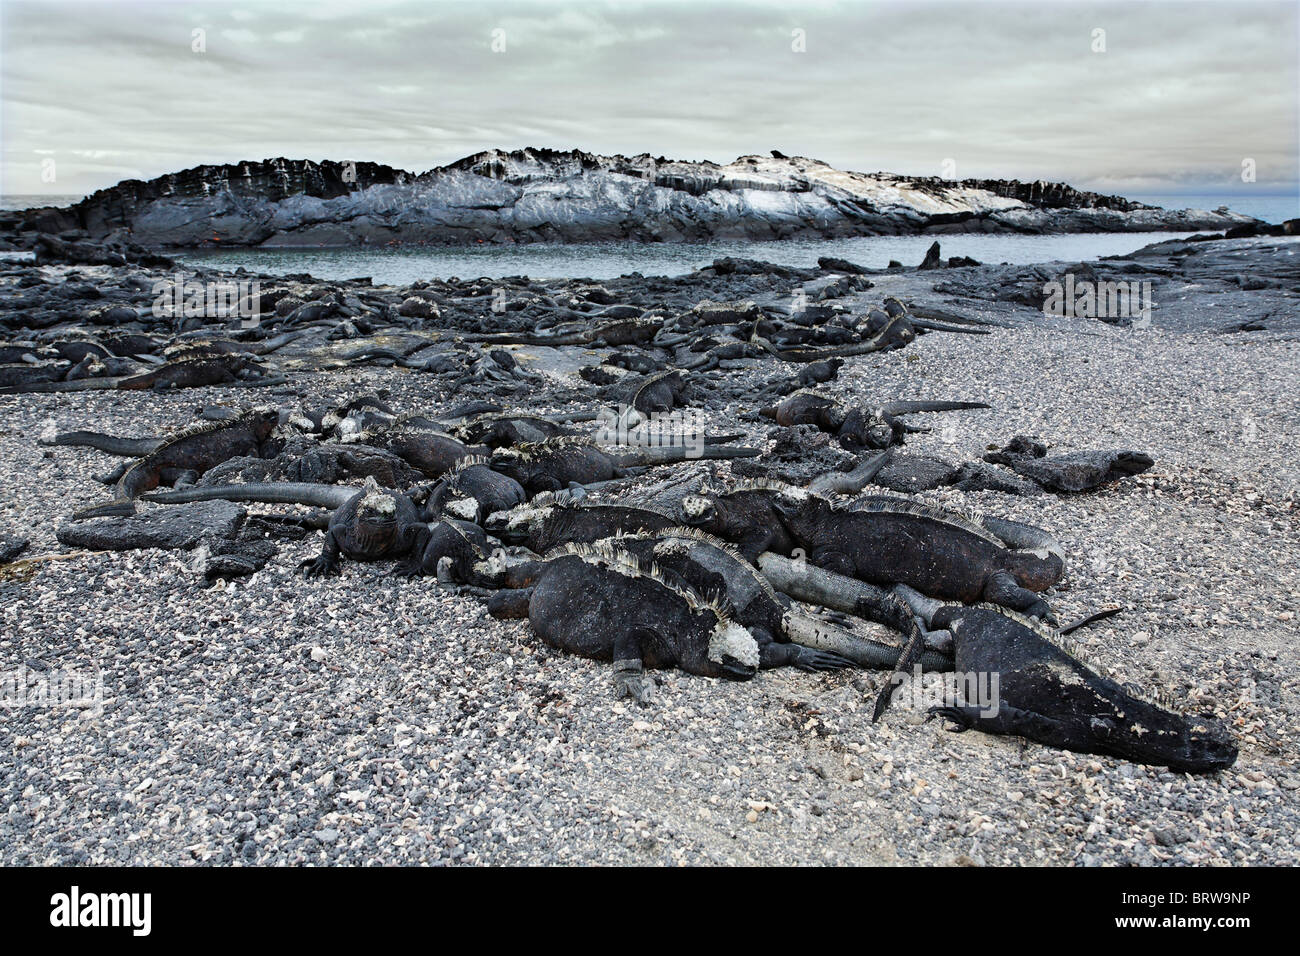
{"type": "Point", "coordinates": [1183, 93]}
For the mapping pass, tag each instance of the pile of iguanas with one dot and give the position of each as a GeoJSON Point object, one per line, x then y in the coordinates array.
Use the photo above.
{"type": "Point", "coordinates": [522, 510]}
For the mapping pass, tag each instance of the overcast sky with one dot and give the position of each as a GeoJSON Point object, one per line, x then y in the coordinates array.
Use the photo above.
{"type": "Point", "coordinates": [1182, 94]}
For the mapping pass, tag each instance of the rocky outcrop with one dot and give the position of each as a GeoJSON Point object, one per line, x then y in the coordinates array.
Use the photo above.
{"type": "Point", "coordinates": [534, 195]}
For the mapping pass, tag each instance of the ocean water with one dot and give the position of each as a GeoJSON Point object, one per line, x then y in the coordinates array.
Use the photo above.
{"type": "Point", "coordinates": [406, 264]}
{"type": "Point", "coordinates": [606, 260]}
{"type": "Point", "coordinates": [8, 202]}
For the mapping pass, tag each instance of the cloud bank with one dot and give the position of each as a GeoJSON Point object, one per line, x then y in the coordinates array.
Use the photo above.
{"type": "Point", "coordinates": [1182, 94]}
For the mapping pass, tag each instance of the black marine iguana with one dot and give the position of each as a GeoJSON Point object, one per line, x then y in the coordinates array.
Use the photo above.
{"type": "Point", "coordinates": [709, 565]}
{"type": "Point", "coordinates": [1046, 695]}
{"type": "Point", "coordinates": [950, 556]}
{"type": "Point", "coordinates": [557, 463]}
{"type": "Point", "coordinates": [856, 427]}
{"type": "Point", "coordinates": [232, 369]}
{"type": "Point", "coordinates": [553, 519]}
{"type": "Point", "coordinates": [601, 602]}
{"type": "Point", "coordinates": [888, 541]}
{"type": "Point", "coordinates": [189, 453]}
{"type": "Point", "coordinates": [745, 516]}
{"type": "Point", "coordinates": [472, 490]}
{"type": "Point", "coordinates": [428, 450]}
{"type": "Point", "coordinates": [367, 524]}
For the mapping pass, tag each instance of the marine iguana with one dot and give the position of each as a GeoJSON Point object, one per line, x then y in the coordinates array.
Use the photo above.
{"type": "Point", "coordinates": [471, 490]}
{"type": "Point", "coordinates": [430, 451]}
{"type": "Point", "coordinates": [367, 524]}
{"type": "Point", "coordinates": [855, 427]}
{"type": "Point", "coordinates": [552, 519]}
{"type": "Point", "coordinates": [601, 602]}
{"type": "Point", "coordinates": [557, 463]}
{"type": "Point", "coordinates": [187, 454]}
{"type": "Point", "coordinates": [745, 516]}
{"type": "Point", "coordinates": [619, 332]}
{"type": "Point", "coordinates": [111, 444]}
{"type": "Point", "coordinates": [221, 369]}
{"type": "Point", "coordinates": [660, 392]}
{"type": "Point", "coordinates": [709, 565]}
{"type": "Point", "coordinates": [895, 333]}
{"type": "Point", "coordinates": [1046, 695]}
{"type": "Point", "coordinates": [1071, 472]}
{"type": "Point", "coordinates": [949, 556]}
{"type": "Point", "coordinates": [458, 552]}
{"type": "Point", "coordinates": [503, 429]}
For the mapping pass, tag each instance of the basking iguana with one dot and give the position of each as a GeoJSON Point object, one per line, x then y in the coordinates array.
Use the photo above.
{"type": "Point", "coordinates": [888, 541]}
{"type": "Point", "coordinates": [745, 516]}
{"type": "Point", "coordinates": [710, 566]}
{"type": "Point", "coordinates": [601, 602]}
{"type": "Point", "coordinates": [553, 519]}
{"type": "Point", "coordinates": [430, 451]}
{"type": "Point", "coordinates": [1046, 695]}
{"type": "Point", "coordinates": [187, 454]}
{"type": "Point", "coordinates": [472, 490]}
{"type": "Point", "coordinates": [855, 427]}
{"type": "Point", "coordinates": [557, 463]}
{"type": "Point", "coordinates": [954, 557]}
{"type": "Point", "coordinates": [367, 524]}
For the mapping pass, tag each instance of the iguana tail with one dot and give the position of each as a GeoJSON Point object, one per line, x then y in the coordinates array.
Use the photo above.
{"type": "Point", "coordinates": [907, 408]}
{"type": "Point", "coordinates": [863, 651]}
{"type": "Point", "coordinates": [78, 385]}
{"type": "Point", "coordinates": [932, 326]}
{"type": "Point", "coordinates": [274, 492]}
{"type": "Point", "coordinates": [127, 447]}
{"type": "Point", "coordinates": [1023, 537]}
{"type": "Point", "coordinates": [665, 456]}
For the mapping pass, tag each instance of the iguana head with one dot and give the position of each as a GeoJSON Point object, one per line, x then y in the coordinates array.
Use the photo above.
{"type": "Point", "coordinates": [733, 650]}
{"type": "Point", "coordinates": [698, 511]}
{"type": "Point", "coordinates": [1145, 733]}
{"type": "Point", "coordinates": [377, 506]}
{"type": "Point", "coordinates": [867, 428]}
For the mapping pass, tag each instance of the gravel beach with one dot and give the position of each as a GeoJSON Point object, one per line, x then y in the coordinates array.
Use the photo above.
{"type": "Point", "coordinates": [367, 719]}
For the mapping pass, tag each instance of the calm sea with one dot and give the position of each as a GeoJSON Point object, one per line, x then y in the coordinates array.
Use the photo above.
{"type": "Point", "coordinates": [401, 266]}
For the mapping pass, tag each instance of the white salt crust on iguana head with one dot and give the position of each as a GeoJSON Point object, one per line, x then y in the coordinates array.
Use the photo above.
{"type": "Point", "coordinates": [463, 508]}
{"type": "Point", "coordinates": [694, 506]}
{"type": "Point", "coordinates": [729, 639]}
{"type": "Point", "coordinates": [377, 501]}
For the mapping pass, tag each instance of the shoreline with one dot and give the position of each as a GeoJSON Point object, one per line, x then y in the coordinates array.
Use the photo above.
{"type": "Point", "coordinates": [426, 731]}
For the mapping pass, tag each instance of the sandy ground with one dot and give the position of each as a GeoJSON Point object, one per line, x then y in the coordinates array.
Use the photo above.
{"type": "Point", "coordinates": [366, 719]}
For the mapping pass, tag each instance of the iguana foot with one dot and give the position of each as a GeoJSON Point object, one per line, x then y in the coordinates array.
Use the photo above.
{"type": "Point", "coordinates": [939, 641]}
{"type": "Point", "coordinates": [319, 567]}
{"type": "Point", "coordinates": [631, 682]}
{"type": "Point", "coordinates": [809, 659]}
{"type": "Point", "coordinates": [1043, 611]}
{"type": "Point", "coordinates": [952, 712]}
{"type": "Point", "coordinates": [408, 569]}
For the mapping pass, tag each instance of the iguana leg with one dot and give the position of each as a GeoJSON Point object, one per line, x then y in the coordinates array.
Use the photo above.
{"type": "Point", "coordinates": [1002, 589]}
{"type": "Point", "coordinates": [1005, 720]}
{"type": "Point", "coordinates": [112, 477]}
{"type": "Point", "coordinates": [415, 563]}
{"type": "Point", "coordinates": [510, 605]}
{"type": "Point", "coordinates": [772, 654]}
{"type": "Point", "coordinates": [174, 476]}
{"type": "Point", "coordinates": [328, 561]}
{"type": "Point", "coordinates": [828, 559]}
{"type": "Point", "coordinates": [754, 543]}
{"type": "Point", "coordinates": [629, 679]}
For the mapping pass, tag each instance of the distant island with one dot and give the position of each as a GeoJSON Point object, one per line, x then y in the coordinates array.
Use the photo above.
{"type": "Point", "coordinates": [544, 195]}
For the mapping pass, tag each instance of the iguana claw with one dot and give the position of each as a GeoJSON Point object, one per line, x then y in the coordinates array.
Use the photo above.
{"type": "Point", "coordinates": [950, 712]}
